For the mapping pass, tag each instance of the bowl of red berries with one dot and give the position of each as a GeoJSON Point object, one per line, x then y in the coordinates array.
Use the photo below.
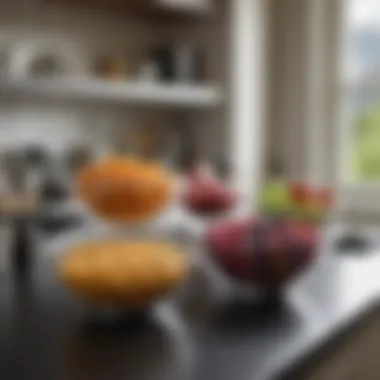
{"type": "Point", "coordinates": [272, 249]}
{"type": "Point", "coordinates": [206, 195]}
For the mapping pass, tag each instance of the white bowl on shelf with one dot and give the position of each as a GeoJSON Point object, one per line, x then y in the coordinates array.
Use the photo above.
{"type": "Point", "coordinates": [64, 60]}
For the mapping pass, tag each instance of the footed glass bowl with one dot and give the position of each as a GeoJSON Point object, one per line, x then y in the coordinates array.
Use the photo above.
{"type": "Point", "coordinates": [268, 254]}
{"type": "Point", "coordinates": [123, 269]}
{"type": "Point", "coordinates": [120, 273]}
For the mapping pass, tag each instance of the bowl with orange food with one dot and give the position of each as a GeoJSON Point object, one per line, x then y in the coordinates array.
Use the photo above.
{"type": "Point", "coordinates": [125, 189]}
{"type": "Point", "coordinates": [117, 274]}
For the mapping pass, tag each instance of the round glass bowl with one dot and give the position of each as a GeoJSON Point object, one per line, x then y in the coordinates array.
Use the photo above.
{"type": "Point", "coordinates": [121, 268]}
{"type": "Point", "coordinates": [267, 254]}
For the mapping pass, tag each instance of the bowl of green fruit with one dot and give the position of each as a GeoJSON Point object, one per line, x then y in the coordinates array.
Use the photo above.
{"type": "Point", "coordinates": [296, 201]}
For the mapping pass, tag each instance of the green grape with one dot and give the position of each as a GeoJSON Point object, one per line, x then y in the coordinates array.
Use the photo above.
{"type": "Point", "coordinates": [275, 198]}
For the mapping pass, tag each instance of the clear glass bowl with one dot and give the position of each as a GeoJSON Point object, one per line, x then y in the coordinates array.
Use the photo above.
{"type": "Point", "coordinates": [267, 255]}
{"type": "Point", "coordinates": [169, 230]}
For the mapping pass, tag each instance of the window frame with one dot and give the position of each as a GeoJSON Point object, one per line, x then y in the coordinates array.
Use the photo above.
{"type": "Point", "coordinates": [348, 87]}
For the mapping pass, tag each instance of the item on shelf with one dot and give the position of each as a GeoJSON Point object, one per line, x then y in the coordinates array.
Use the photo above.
{"type": "Point", "coordinates": [112, 68]}
{"type": "Point", "coordinates": [122, 274]}
{"type": "Point", "coordinates": [42, 59]}
{"type": "Point", "coordinates": [46, 66]}
{"type": "Point", "coordinates": [125, 189]}
{"type": "Point", "coordinates": [180, 63]}
{"type": "Point", "coordinates": [207, 195]}
{"type": "Point", "coordinates": [266, 253]}
{"type": "Point", "coordinates": [148, 72]}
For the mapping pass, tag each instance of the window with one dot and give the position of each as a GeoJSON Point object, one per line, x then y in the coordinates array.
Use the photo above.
{"type": "Point", "coordinates": [361, 87]}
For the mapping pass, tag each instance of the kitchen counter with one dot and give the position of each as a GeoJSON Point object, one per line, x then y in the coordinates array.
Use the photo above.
{"type": "Point", "coordinates": [206, 331]}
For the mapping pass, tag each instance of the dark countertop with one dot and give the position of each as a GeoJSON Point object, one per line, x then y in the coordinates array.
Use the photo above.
{"type": "Point", "coordinates": [206, 331]}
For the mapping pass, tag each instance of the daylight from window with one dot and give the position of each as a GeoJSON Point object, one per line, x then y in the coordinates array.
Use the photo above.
{"type": "Point", "coordinates": [362, 79]}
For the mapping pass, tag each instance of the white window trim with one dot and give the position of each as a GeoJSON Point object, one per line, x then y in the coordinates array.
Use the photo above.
{"type": "Point", "coordinates": [248, 37]}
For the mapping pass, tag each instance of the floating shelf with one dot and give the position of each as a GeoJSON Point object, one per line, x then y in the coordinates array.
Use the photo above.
{"type": "Point", "coordinates": [138, 93]}
{"type": "Point", "coordinates": [157, 8]}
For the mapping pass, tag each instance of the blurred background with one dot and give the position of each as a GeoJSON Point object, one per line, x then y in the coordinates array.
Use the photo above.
{"type": "Point", "coordinates": [288, 88]}
{"type": "Point", "coordinates": [256, 89]}
{"type": "Point", "coordinates": [323, 102]}
{"type": "Point", "coordinates": [80, 80]}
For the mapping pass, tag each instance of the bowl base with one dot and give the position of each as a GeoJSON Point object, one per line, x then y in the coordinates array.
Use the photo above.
{"type": "Point", "coordinates": [111, 316]}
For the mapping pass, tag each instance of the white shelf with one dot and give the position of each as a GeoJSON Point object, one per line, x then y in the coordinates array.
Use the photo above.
{"type": "Point", "coordinates": [193, 6]}
{"type": "Point", "coordinates": [177, 95]}
{"type": "Point", "coordinates": [158, 9]}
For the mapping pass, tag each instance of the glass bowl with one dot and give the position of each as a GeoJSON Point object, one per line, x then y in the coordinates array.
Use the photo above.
{"type": "Point", "coordinates": [57, 250]}
{"type": "Point", "coordinates": [266, 254]}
